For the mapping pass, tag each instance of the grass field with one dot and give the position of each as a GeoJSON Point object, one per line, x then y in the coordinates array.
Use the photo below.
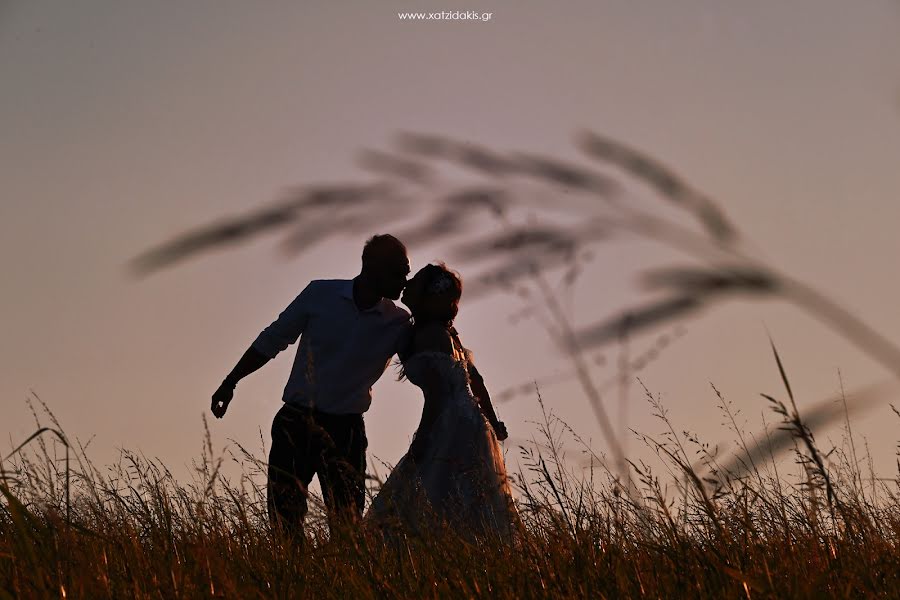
{"type": "Point", "coordinates": [702, 529]}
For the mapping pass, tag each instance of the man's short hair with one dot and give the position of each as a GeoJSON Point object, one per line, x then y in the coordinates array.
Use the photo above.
{"type": "Point", "coordinates": [379, 246]}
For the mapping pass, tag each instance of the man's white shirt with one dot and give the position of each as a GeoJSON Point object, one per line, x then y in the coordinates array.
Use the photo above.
{"type": "Point", "coordinates": [343, 351]}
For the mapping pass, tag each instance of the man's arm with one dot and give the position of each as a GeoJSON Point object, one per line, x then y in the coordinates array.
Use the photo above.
{"type": "Point", "coordinates": [283, 332]}
{"type": "Point", "coordinates": [251, 361]}
{"type": "Point", "coordinates": [286, 329]}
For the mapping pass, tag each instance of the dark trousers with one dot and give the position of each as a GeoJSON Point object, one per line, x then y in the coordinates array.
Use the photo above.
{"type": "Point", "coordinates": [307, 442]}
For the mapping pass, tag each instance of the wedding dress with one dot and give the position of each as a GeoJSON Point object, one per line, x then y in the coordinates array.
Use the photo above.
{"type": "Point", "coordinates": [459, 479]}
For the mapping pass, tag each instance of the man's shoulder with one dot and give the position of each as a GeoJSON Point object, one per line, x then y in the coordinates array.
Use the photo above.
{"type": "Point", "coordinates": [322, 292]}
{"type": "Point", "coordinates": [327, 286]}
{"type": "Point", "coordinates": [393, 312]}
{"type": "Point", "coordinates": [330, 283]}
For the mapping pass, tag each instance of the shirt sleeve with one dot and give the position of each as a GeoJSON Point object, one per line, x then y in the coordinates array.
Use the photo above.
{"type": "Point", "coordinates": [285, 330]}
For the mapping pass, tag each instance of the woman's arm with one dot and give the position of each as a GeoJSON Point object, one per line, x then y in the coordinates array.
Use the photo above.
{"type": "Point", "coordinates": [484, 401]}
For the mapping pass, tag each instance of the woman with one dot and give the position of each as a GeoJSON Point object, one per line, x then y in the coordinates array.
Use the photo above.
{"type": "Point", "coordinates": [453, 473]}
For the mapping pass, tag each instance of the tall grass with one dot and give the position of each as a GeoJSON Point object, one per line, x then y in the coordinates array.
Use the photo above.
{"type": "Point", "coordinates": [698, 528]}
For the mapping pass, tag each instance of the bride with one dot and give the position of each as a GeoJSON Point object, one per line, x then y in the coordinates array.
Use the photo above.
{"type": "Point", "coordinates": [453, 474]}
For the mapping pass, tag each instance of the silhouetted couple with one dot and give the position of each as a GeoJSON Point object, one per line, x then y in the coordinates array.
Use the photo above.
{"type": "Point", "coordinates": [453, 473]}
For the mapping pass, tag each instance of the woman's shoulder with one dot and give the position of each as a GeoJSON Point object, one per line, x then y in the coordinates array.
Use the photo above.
{"type": "Point", "coordinates": [433, 337]}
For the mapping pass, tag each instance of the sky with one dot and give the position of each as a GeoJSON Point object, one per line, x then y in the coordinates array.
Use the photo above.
{"type": "Point", "coordinates": [125, 123]}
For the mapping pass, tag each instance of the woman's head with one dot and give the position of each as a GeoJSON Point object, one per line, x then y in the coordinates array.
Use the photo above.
{"type": "Point", "coordinates": [433, 294]}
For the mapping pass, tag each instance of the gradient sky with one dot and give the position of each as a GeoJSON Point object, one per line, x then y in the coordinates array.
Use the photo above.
{"type": "Point", "coordinates": [124, 123]}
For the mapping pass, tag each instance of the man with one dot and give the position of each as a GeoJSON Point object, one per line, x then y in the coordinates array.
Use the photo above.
{"type": "Point", "coordinates": [348, 330]}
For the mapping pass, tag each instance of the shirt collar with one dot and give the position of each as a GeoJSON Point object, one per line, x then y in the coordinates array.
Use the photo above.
{"type": "Point", "coordinates": [347, 292]}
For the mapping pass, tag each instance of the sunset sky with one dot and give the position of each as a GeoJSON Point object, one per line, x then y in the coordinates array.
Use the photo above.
{"type": "Point", "coordinates": [125, 123]}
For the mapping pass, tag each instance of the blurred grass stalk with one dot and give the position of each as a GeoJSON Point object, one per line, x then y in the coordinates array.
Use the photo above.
{"type": "Point", "coordinates": [408, 183]}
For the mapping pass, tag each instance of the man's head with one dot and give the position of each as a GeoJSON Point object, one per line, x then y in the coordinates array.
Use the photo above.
{"type": "Point", "coordinates": [385, 265]}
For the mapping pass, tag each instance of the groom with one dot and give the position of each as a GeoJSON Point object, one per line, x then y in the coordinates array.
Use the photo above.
{"type": "Point", "coordinates": [348, 330]}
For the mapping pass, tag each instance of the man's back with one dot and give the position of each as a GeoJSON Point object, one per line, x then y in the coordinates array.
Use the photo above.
{"type": "Point", "coordinates": [343, 350]}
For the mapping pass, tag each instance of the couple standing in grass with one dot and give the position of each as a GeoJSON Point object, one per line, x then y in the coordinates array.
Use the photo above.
{"type": "Point", "coordinates": [453, 473]}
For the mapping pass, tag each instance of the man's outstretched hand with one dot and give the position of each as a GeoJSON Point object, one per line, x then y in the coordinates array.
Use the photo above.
{"type": "Point", "coordinates": [221, 398]}
{"type": "Point", "coordinates": [249, 362]}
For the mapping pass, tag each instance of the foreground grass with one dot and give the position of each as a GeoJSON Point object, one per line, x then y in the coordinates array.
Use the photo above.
{"type": "Point", "coordinates": [736, 532]}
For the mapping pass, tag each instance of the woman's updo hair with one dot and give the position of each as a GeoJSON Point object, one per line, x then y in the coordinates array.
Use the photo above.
{"type": "Point", "coordinates": [443, 284]}
{"type": "Point", "coordinates": [441, 293]}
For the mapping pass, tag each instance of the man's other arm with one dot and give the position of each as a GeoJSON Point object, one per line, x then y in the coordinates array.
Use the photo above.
{"type": "Point", "coordinates": [283, 332]}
